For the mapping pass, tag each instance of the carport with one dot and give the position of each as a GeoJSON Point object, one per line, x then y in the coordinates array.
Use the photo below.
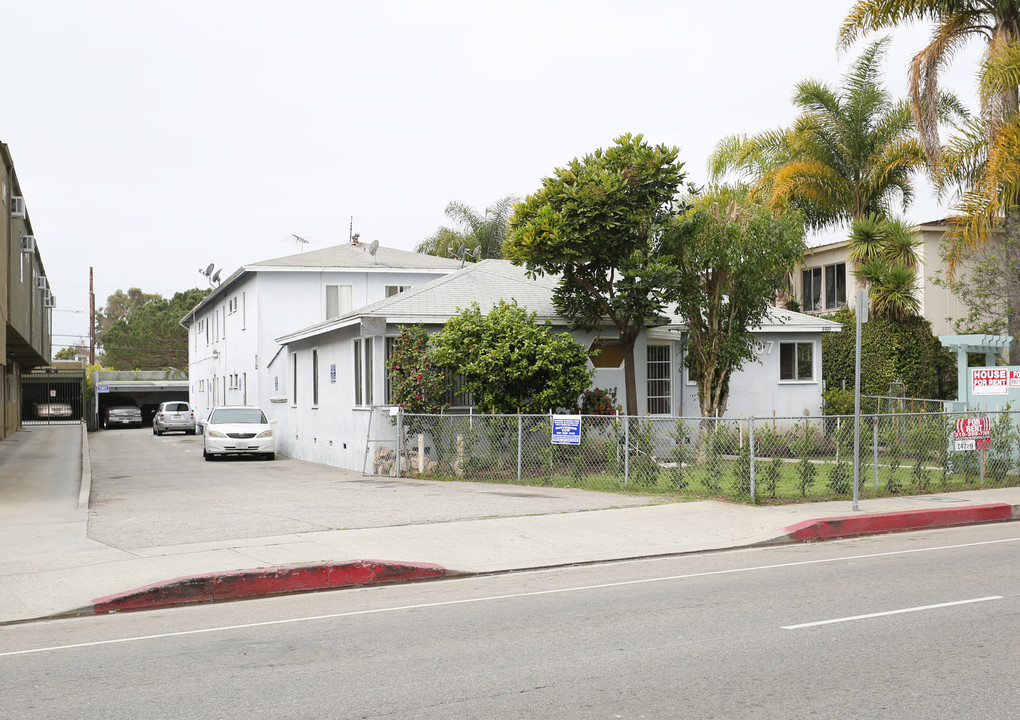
{"type": "Point", "coordinates": [113, 389]}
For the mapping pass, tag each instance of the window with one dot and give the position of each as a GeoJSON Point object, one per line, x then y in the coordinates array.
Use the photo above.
{"type": "Point", "coordinates": [363, 371]}
{"type": "Point", "coordinates": [835, 286]}
{"type": "Point", "coordinates": [293, 357]}
{"type": "Point", "coordinates": [392, 290]}
{"type": "Point", "coordinates": [660, 394]}
{"type": "Point", "coordinates": [315, 377]}
{"type": "Point", "coordinates": [796, 361]}
{"type": "Point", "coordinates": [812, 289]}
{"type": "Point", "coordinates": [244, 312]}
{"type": "Point", "coordinates": [339, 300]}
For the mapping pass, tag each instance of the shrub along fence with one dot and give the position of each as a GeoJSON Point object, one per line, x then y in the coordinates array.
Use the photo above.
{"type": "Point", "coordinates": [746, 459]}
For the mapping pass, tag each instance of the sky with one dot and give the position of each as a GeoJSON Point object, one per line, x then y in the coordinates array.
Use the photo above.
{"type": "Point", "coordinates": [152, 139]}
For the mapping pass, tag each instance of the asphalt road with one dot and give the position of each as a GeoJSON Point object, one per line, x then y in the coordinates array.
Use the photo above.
{"type": "Point", "coordinates": [150, 491]}
{"type": "Point", "coordinates": [919, 625]}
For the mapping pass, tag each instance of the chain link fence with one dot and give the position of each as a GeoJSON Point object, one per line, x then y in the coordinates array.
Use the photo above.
{"type": "Point", "coordinates": [746, 459]}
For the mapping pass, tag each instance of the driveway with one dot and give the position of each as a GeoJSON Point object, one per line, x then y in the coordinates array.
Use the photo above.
{"type": "Point", "coordinates": [150, 491]}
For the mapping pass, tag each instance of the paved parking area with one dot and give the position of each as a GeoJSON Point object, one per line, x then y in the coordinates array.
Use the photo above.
{"type": "Point", "coordinates": [150, 491]}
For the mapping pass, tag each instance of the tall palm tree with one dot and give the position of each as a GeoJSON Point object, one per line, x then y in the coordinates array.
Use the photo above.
{"type": "Point", "coordinates": [850, 153]}
{"type": "Point", "coordinates": [484, 232]}
{"type": "Point", "coordinates": [981, 160]}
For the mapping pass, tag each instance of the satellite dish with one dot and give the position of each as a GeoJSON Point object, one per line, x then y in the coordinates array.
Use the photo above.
{"type": "Point", "coordinates": [216, 277]}
{"type": "Point", "coordinates": [477, 252]}
{"type": "Point", "coordinates": [373, 248]}
{"type": "Point", "coordinates": [208, 271]}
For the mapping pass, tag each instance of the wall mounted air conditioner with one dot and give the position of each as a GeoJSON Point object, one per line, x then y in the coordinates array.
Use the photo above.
{"type": "Point", "coordinates": [28, 243]}
{"type": "Point", "coordinates": [50, 302]}
{"type": "Point", "coordinates": [18, 207]}
{"type": "Point", "coordinates": [41, 283]}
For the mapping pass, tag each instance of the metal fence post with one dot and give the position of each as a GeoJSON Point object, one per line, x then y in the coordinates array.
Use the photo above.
{"type": "Point", "coordinates": [400, 437]}
{"type": "Point", "coordinates": [626, 450]}
{"type": "Point", "coordinates": [520, 446]}
{"type": "Point", "coordinates": [750, 442]}
{"type": "Point", "coordinates": [874, 450]}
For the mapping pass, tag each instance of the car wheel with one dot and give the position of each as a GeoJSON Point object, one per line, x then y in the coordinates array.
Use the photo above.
{"type": "Point", "coordinates": [270, 456]}
{"type": "Point", "coordinates": [207, 456]}
{"type": "Point", "coordinates": [154, 430]}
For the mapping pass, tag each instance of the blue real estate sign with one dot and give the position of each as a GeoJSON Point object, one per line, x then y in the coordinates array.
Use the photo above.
{"type": "Point", "coordinates": [566, 429]}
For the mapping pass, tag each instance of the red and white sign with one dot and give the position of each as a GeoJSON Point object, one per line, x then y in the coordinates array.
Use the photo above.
{"type": "Point", "coordinates": [1014, 378]}
{"type": "Point", "coordinates": [989, 381]}
{"type": "Point", "coordinates": [973, 434]}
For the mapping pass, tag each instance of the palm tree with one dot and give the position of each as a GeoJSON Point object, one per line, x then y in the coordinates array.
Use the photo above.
{"type": "Point", "coordinates": [885, 255]}
{"type": "Point", "coordinates": [980, 162]}
{"type": "Point", "coordinates": [484, 232]}
{"type": "Point", "coordinates": [849, 154]}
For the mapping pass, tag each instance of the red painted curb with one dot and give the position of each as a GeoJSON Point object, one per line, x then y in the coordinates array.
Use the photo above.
{"type": "Point", "coordinates": [239, 584]}
{"type": "Point", "coordinates": [851, 525]}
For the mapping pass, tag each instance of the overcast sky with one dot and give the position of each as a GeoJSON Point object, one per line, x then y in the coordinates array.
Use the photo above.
{"type": "Point", "coordinates": [152, 139]}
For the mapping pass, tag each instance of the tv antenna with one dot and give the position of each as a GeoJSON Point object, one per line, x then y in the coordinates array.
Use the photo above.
{"type": "Point", "coordinates": [300, 241]}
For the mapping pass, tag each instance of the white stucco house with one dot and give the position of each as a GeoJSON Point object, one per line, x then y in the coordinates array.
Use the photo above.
{"type": "Point", "coordinates": [332, 373]}
{"type": "Point", "coordinates": [233, 356]}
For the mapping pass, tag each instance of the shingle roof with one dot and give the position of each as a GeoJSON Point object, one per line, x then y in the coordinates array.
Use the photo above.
{"type": "Point", "coordinates": [485, 283]}
{"type": "Point", "coordinates": [358, 256]}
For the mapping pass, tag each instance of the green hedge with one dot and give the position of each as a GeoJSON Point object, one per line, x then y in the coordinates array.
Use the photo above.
{"type": "Point", "coordinates": [890, 350]}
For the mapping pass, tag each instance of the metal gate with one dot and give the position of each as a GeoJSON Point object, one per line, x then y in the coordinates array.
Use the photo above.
{"type": "Point", "coordinates": [52, 398]}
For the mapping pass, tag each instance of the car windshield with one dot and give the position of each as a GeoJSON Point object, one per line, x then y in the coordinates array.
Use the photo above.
{"type": "Point", "coordinates": [225, 416]}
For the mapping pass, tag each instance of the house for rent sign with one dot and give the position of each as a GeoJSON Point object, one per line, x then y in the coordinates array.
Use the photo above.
{"type": "Point", "coordinates": [993, 381]}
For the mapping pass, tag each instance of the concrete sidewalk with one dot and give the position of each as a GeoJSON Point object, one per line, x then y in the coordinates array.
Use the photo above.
{"type": "Point", "coordinates": [49, 566]}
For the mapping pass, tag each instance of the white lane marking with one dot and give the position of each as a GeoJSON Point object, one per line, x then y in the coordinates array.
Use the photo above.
{"type": "Point", "coordinates": [535, 593]}
{"type": "Point", "coordinates": [890, 612]}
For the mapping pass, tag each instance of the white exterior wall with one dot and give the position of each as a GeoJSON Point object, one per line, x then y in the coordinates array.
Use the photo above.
{"type": "Point", "coordinates": [334, 432]}
{"type": "Point", "coordinates": [270, 304]}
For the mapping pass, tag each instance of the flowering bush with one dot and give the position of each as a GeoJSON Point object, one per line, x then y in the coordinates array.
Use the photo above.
{"type": "Point", "coordinates": [599, 402]}
{"type": "Point", "coordinates": [418, 386]}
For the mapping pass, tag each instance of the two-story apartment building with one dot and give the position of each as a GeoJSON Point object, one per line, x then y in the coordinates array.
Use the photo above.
{"type": "Point", "coordinates": [232, 350]}
{"type": "Point", "coordinates": [825, 283]}
{"type": "Point", "coordinates": [25, 298]}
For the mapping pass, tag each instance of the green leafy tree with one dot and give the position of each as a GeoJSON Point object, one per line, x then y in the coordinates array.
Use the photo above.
{"type": "Point", "coordinates": [68, 353]}
{"type": "Point", "coordinates": [510, 363]}
{"type": "Point", "coordinates": [147, 334]}
{"type": "Point", "coordinates": [595, 223]}
{"type": "Point", "coordinates": [728, 260]}
{"type": "Point", "coordinates": [417, 383]}
{"type": "Point", "coordinates": [484, 232]}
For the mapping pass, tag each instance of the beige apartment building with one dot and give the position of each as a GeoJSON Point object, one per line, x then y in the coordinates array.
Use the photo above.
{"type": "Point", "coordinates": [25, 299]}
{"type": "Point", "coordinates": [825, 282]}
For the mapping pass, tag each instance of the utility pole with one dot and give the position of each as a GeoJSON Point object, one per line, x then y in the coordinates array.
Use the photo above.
{"type": "Point", "coordinates": [92, 321]}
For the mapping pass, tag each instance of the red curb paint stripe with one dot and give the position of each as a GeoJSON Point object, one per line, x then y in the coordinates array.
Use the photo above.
{"type": "Point", "coordinates": [238, 584]}
{"type": "Point", "coordinates": [848, 526]}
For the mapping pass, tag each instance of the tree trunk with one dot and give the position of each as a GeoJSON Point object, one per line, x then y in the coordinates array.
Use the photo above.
{"type": "Point", "coordinates": [1011, 228]}
{"type": "Point", "coordinates": [630, 382]}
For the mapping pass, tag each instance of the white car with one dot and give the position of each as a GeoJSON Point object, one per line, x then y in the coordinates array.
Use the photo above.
{"type": "Point", "coordinates": [237, 430]}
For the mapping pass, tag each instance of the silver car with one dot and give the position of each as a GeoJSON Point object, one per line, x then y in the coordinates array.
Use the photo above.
{"type": "Point", "coordinates": [172, 416]}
